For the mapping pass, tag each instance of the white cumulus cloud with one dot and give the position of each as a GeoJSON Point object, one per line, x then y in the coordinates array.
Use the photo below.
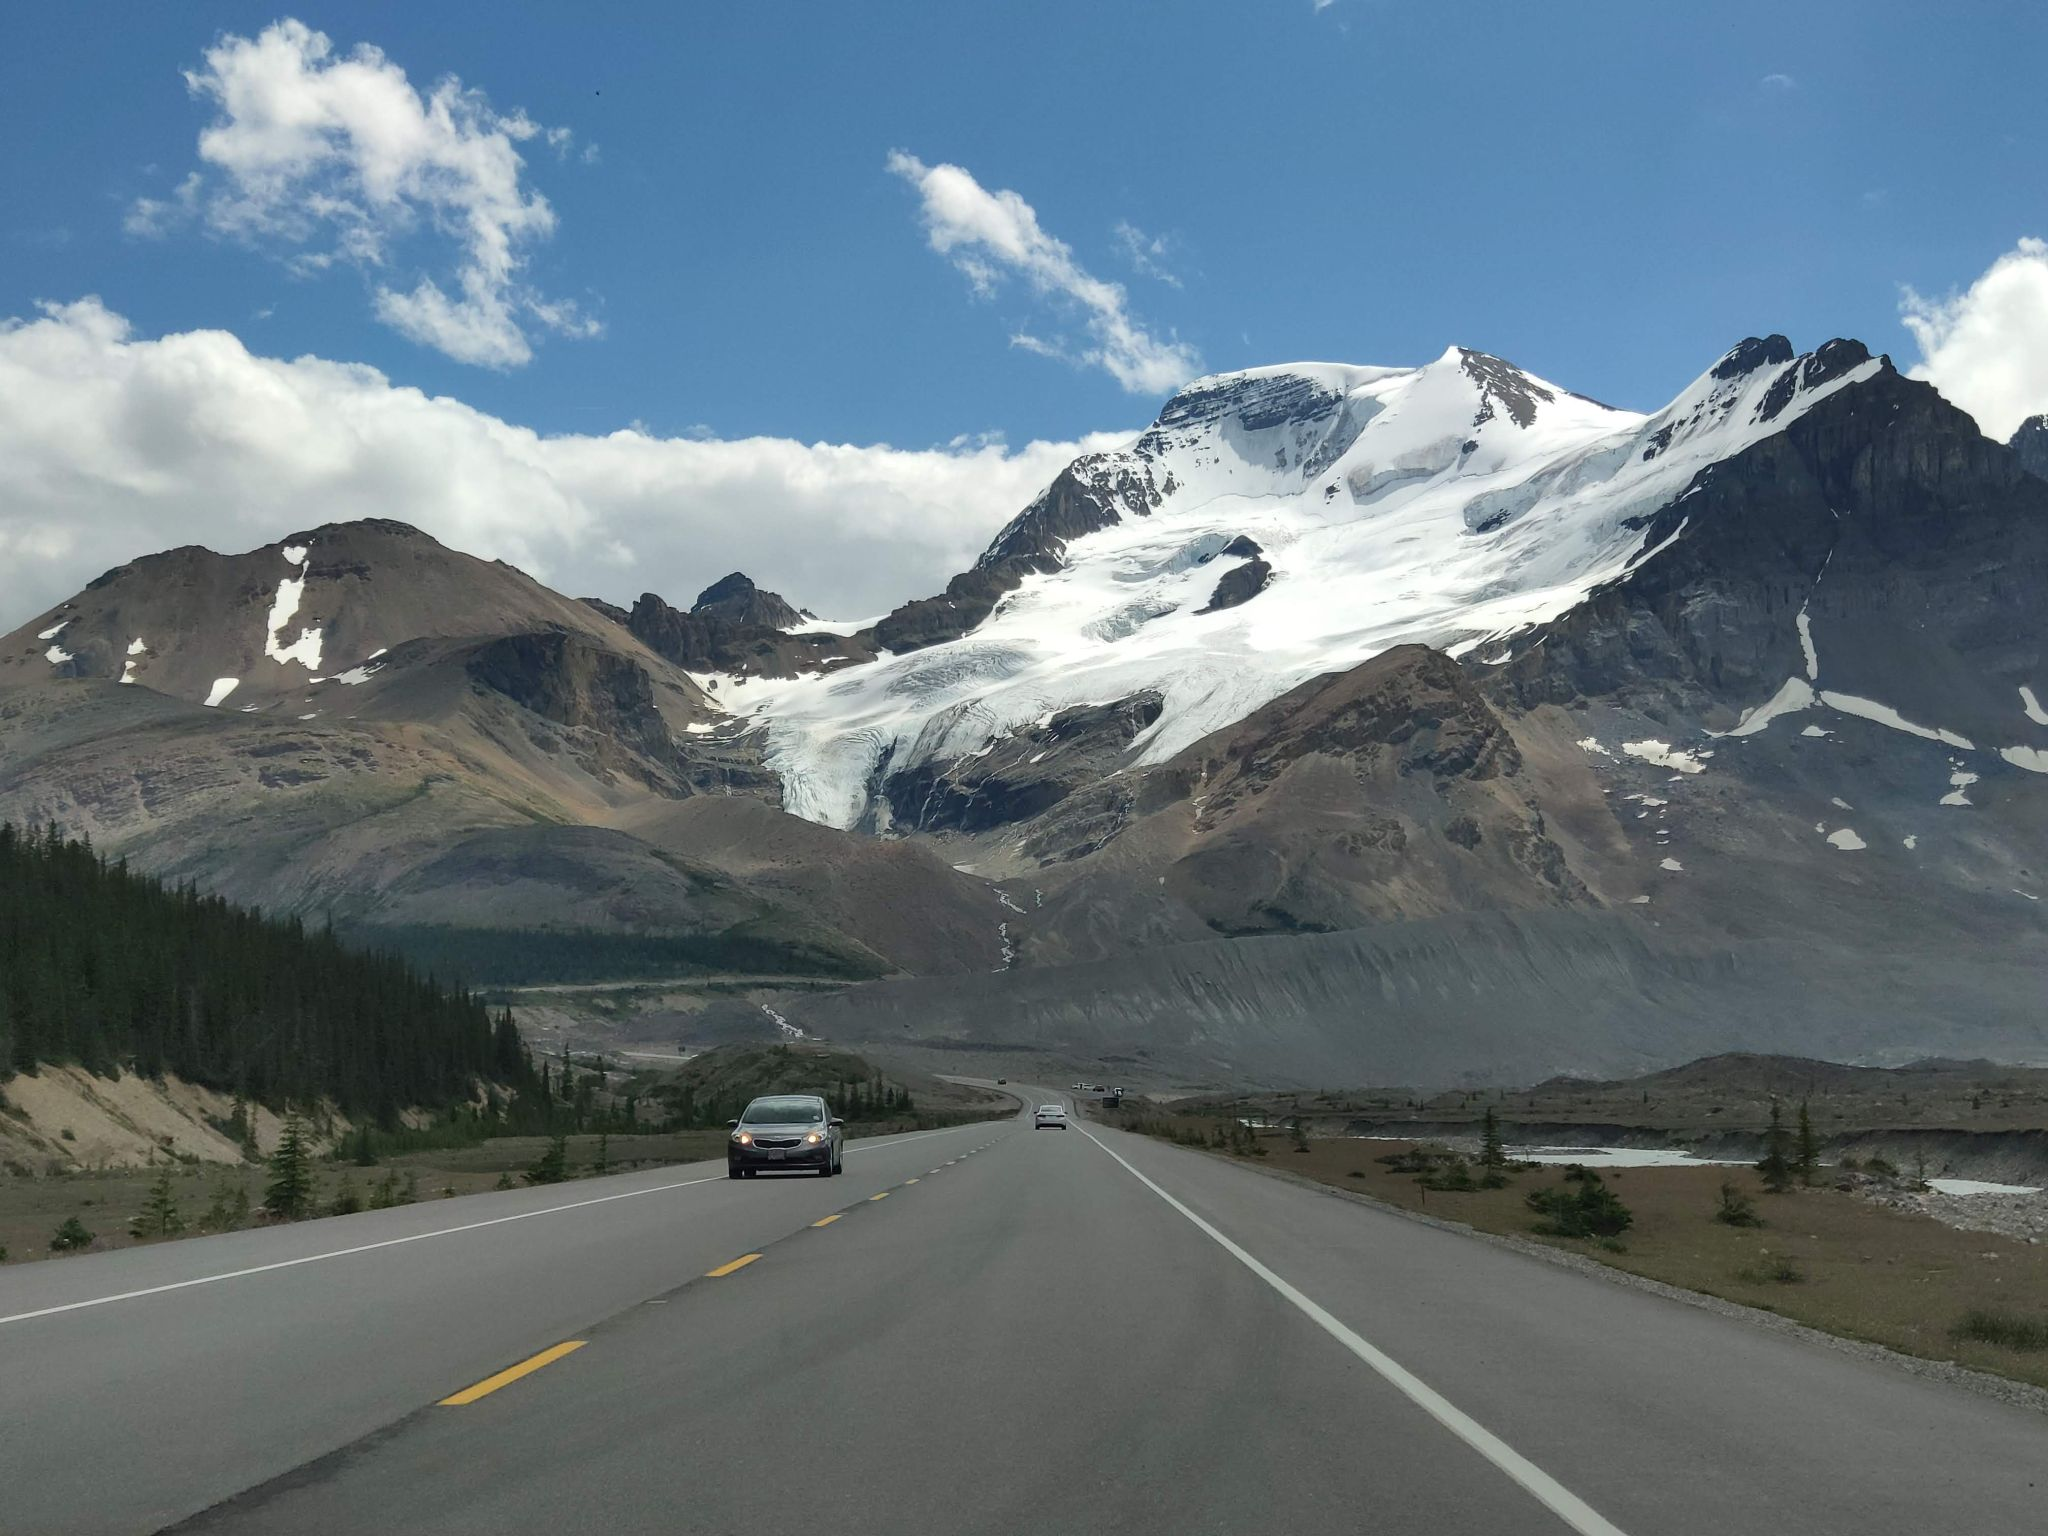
{"type": "Point", "coordinates": [1986, 349]}
{"type": "Point", "coordinates": [988, 235]}
{"type": "Point", "coordinates": [338, 159]}
{"type": "Point", "coordinates": [114, 446]}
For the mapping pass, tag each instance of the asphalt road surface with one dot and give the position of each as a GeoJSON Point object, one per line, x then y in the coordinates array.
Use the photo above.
{"type": "Point", "coordinates": [984, 1329]}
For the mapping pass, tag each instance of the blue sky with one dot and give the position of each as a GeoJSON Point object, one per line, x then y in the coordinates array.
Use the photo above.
{"type": "Point", "coordinates": [1608, 194]}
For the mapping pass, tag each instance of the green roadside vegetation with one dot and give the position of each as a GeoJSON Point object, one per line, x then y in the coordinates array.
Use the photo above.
{"type": "Point", "coordinates": [583, 1121]}
{"type": "Point", "coordinates": [1808, 1251]}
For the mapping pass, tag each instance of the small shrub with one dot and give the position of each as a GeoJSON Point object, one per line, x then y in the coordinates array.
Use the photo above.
{"type": "Point", "coordinates": [504, 1181]}
{"type": "Point", "coordinates": [552, 1166]}
{"type": "Point", "coordinates": [1772, 1272]}
{"type": "Point", "coordinates": [71, 1236]}
{"type": "Point", "coordinates": [1456, 1175]}
{"type": "Point", "coordinates": [1426, 1159]}
{"type": "Point", "coordinates": [1737, 1209]}
{"type": "Point", "coordinates": [1591, 1210]}
{"type": "Point", "coordinates": [2008, 1330]}
{"type": "Point", "coordinates": [1881, 1167]}
{"type": "Point", "coordinates": [1356, 1173]}
{"type": "Point", "coordinates": [347, 1200]}
{"type": "Point", "coordinates": [68, 1134]}
{"type": "Point", "coordinates": [1613, 1245]}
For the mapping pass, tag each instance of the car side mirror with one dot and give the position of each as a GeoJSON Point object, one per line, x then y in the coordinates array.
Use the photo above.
{"type": "Point", "coordinates": [837, 1121]}
{"type": "Point", "coordinates": [732, 1125]}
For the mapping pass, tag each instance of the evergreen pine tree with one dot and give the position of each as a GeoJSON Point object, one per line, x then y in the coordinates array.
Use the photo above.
{"type": "Point", "coordinates": [1776, 1166]}
{"type": "Point", "coordinates": [291, 1192]}
{"type": "Point", "coordinates": [365, 1152]}
{"type": "Point", "coordinates": [552, 1166]}
{"type": "Point", "coordinates": [160, 1214]}
{"type": "Point", "coordinates": [603, 1163]}
{"type": "Point", "coordinates": [1807, 1158]}
{"type": "Point", "coordinates": [1492, 1154]}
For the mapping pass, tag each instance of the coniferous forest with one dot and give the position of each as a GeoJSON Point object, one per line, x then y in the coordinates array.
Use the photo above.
{"type": "Point", "coordinates": [114, 971]}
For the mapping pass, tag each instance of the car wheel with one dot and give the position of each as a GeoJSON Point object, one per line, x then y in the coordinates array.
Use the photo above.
{"type": "Point", "coordinates": [731, 1172]}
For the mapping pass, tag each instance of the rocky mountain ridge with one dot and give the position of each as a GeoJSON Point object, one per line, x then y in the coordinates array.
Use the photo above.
{"type": "Point", "coordinates": [1353, 724]}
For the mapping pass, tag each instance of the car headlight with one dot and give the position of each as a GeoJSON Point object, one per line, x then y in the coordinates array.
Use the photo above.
{"type": "Point", "coordinates": [813, 1137]}
{"type": "Point", "coordinates": [744, 1138]}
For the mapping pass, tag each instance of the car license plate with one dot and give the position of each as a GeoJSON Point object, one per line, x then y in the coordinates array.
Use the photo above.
{"type": "Point", "coordinates": [776, 1155]}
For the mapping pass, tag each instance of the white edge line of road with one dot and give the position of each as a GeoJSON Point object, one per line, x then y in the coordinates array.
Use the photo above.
{"type": "Point", "coordinates": [418, 1237]}
{"type": "Point", "coordinates": [1547, 1490]}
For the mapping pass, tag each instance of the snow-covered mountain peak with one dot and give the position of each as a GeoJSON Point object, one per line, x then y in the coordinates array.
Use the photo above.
{"type": "Point", "coordinates": [1757, 388]}
{"type": "Point", "coordinates": [1271, 525]}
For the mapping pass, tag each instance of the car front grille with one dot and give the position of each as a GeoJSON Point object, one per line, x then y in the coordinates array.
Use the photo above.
{"type": "Point", "coordinates": [777, 1141]}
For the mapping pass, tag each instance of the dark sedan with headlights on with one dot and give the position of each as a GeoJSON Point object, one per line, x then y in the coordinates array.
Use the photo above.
{"type": "Point", "coordinates": [786, 1133]}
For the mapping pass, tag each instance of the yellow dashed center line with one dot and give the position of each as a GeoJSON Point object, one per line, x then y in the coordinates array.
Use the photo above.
{"type": "Point", "coordinates": [908, 1182]}
{"type": "Point", "coordinates": [505, 1378]}
{"type": "Point", "coordinates": [725, 1269]}
{"type": "Point", "coordinates": [882, 1196]}
{"type": "Point", "coordinates": [829, 1219]}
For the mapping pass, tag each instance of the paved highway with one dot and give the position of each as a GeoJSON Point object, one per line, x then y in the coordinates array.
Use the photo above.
{"type": "Point", "coordinates": [987, 1328]}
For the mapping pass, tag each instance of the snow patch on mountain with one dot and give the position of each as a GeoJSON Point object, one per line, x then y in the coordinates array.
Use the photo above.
{"type": "Point", "coordinates": [1664, 755]}
{"type": "Point", "coordinates": [1885, 715]}
{"type": "Point", "coordinates": [2032, 706]}
{"type": "Point", "coordinates": [305, 650]}
{"type": "Point", "coordinates": [222, 687]}
{"type": "Point", "coordinates": [1796, 695]}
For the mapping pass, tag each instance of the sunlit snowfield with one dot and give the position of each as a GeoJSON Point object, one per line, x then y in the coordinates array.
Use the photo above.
{"type": "Point", "coordinates": [1454, 505]}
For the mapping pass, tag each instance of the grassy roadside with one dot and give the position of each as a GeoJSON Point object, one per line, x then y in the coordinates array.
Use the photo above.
{"type": "Point", "coordinates": [31, 1210]}
{"type": "Point", "coordinates": [1823, 1258]}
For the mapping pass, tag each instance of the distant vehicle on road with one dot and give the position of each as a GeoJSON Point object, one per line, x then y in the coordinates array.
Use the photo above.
{"type": "Point", "coordinates": [1050, 1117]}
{"type": "Point", "coordinates": [786, 1132]}
{"type": "Point", "coordinates": [1000, 1081]}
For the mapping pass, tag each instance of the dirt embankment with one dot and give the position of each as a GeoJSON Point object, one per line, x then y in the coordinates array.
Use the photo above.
{"type": "Point", "coordinates": [63, 1119]}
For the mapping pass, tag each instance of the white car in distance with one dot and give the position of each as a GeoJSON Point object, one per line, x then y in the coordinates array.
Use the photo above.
{"type": "Point", "coordinates": [1050, 1117]}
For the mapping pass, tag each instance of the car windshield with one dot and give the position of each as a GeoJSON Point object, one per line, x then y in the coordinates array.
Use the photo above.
{"type": "Point", "coordinates": [784, 1112]}
{"type": "Point", "coordinates": [1050, 1109]}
